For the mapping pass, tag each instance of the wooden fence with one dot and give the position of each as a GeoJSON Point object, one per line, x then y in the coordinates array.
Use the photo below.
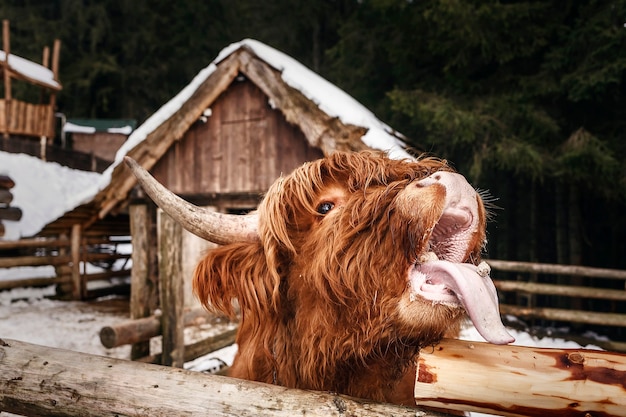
{"type": "Point", "coordinates": [69, 257]}
{"type": "Point", "coordinates": [594, 297]}
{"type": "Point", "coordinates": [507, 380]}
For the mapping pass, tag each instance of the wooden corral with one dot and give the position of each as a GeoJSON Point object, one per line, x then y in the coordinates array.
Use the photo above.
{"type": "Point", "coordinates": [20, 118]}
{"type": "Point", "coordinates": [570, 295]}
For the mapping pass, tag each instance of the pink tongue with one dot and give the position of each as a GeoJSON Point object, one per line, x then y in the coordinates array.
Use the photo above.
{"type": "Point", "coordinates": [477, 294]}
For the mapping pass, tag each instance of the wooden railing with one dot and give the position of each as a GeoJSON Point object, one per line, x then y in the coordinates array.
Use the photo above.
{"type": "Point", "coordinates": [66, 256]}
{"type": "Point", "coordinates": [22, 118]}
{"type": "Point", "coordinates": [563, 293]}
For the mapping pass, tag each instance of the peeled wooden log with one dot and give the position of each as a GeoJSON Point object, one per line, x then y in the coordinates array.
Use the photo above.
{"type": "Point", "coordinates": [140, 330]}
{"type": "Point", "coordinates": [521, 381]}
{"type": "Point", "coordinates": [37, 380]}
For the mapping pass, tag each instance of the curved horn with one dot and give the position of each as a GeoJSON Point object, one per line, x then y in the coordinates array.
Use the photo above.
{"type": "Point", "coordinates": [215, 227]}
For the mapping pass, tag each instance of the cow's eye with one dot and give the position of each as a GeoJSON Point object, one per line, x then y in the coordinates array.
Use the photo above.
{"type": "Point", "coordinates": [325, 207]}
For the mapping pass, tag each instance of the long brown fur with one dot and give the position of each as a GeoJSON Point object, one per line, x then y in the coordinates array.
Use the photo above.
{"type": "Point", "coordinates": [320, 294]}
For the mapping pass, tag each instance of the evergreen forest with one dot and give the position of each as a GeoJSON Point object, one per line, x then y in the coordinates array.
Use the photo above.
{"type": "Point", "coordinates": [525, 98]}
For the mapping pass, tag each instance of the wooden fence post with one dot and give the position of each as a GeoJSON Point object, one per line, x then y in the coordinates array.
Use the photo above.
{"type": "Point", "coordinates": [170, 236]}
{"type": "Point", "coordinates": [142, 289]}
{"type": "Point", "coordinates": [78, 286]}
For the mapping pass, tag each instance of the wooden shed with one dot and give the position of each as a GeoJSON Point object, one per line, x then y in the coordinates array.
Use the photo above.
{"type": "Point", "coordinates": [252, 115]}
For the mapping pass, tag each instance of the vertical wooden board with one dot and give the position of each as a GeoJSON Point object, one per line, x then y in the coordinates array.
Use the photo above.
{"type": "Point", "coordinates": [215, 150]}
{"type": "Point", "coordinates": [185, 170]}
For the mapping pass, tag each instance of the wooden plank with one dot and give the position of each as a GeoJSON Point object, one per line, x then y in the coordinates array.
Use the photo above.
{"type": "Point", "coordinates": [32, 282]}
{"type": "Point", "coordinates": [521, 381]}
{"type": "Point", "coordinates": [536, 268]}
{"type": "Point", "coordinates": [562, 290]}
{"type": "Point", "coordinates": [11, 262]}
{"type": "Point", "coordinates": [170, 236]}
{"type": "Point", "coordinates": [577, 316]}
{"type": "Point", "coordinates": [47, 381]}
{"type": "Point", "coordinates": [143, 329]}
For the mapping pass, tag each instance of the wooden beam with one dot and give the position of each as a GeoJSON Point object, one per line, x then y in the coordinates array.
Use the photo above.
{"type": "Point", "coordinates": [536, 268]}
{"type": "Point", "coordinates": [562, 290]}
{"type": "Point", "coordinates": [39, 380]}
{"type": "Point", "coordinates": [577, 316]}
{"type": "Point", "coordinates": [521, 381]}
{"type": "Point", "coordinates": [142, 290]}
{"type": "Point", "coordinates": [11, 262]}
{"type": "Point", "coordinates": [171, 292]}
{"type": "Point", "coordinates": [143, 329]}
{"type": "Point", "coordinates": [31, 282]}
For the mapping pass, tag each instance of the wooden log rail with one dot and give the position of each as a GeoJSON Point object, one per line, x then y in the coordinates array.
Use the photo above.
{"type": "Point", "coordinates": [455, 375]}
{"type": "Point", "coordinates": [37, 380]}
{"type": "Point", "coordinates": [140, 330]}
{"type": "Point", "coordinates": [575, 291]}
{"type": "Point", "coordinates": [521, 381]}
{"type": "Point", "coordinates": [59, 255]}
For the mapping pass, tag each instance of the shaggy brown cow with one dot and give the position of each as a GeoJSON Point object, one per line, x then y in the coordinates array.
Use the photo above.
{"type": "Point", "coordinates": [351, 265]}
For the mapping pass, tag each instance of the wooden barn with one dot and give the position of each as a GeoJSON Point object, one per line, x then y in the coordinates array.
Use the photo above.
{"type": "Point", "coordinates": [250, 116]}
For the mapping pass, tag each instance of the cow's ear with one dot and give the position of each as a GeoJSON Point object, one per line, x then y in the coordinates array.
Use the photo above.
{"type": "Point", "coordinates": [236, 271]}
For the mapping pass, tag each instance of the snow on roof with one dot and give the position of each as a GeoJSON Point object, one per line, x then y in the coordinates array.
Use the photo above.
{"type": "Point", "coordinates": [31, 70]}
{"type": "Point", "coordinates": [44, 191]}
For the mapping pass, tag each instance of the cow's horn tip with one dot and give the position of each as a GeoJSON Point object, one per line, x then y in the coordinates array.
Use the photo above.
{"type": "Point", "coordinates": [130, 161]}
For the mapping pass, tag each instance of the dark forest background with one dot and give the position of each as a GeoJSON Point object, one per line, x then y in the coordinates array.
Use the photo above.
{"type": "Point", "coordinates": [526, 98]}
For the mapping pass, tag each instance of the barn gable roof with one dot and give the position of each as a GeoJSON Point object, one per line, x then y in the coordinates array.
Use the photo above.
{"type": "Point", "coordinates": [329, 118]}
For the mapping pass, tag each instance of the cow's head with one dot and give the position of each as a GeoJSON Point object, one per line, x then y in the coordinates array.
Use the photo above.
{"type": "Point", "coordinates": [348, 254]}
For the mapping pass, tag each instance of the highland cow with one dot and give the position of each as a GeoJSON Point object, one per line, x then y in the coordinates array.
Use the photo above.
{"type": "Point", "coordinates": [350, 266]}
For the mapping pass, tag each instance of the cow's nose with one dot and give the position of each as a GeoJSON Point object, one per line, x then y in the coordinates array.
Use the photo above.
{"type": "Point", "coordinates": [435, 178]}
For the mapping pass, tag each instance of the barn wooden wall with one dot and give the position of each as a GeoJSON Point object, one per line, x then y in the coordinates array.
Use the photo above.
{"type": "Point", "coordinates": [242, 148]}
